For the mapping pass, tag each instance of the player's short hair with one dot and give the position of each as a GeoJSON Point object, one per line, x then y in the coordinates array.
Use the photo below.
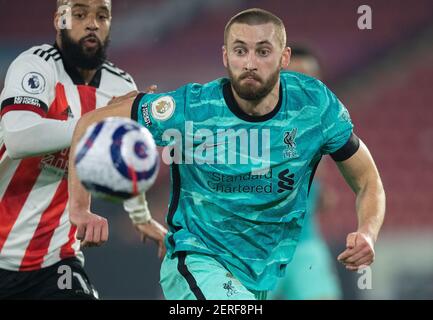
{"type": "Point", "coordinates": [256, 16]}
{"type": "Point", "coordinates": [65, 2]}
{"type": "Point", "coordinates": [61, 3]}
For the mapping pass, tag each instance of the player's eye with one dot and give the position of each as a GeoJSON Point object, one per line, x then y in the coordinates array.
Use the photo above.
{"type": "Point", "coordinates": [103, 16]}
{"type": "Point", "coordinates": [263, 52]}
{"type": "Point", "coordinates": [79, 15]}
{"type": "Point", "coordinates": [240, 51]}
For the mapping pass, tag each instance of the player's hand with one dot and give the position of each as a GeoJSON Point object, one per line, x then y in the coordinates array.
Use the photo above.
{"type": "Point", "coordinates": [131, 94]}
{"type": "Point", "coordinates": [155, 231]}
{"type": "Point", "coordinates": [92, 229]}
{"type": "Point", "coordinates": [151, 89]}
{"type": "Point", "coordinates": [359, 251]}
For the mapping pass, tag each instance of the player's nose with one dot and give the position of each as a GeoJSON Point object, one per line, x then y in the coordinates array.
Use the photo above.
{"type": "Point", "coordinates": [92, 23]}
{"type": "Point", "coordinates": [250, 63]}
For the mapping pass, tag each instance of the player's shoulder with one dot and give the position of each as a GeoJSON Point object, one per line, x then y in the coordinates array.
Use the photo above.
{"type": "Point", "coordinates": [296, 80]}
{"type": "Point", "coordinates": [36, 63]}
{"type": "Point", "coordinates": [303, 88]}
{"type": "Point", "coordinates": [215, 85]}
{"type": "Point", "coordinates": [194, 93]}
{"type": "Point", "coordinates": [44, 54]}
{"type": "Point", "coordinates": [206, 101]}
{"type": "Point", "coordinates": [120, 75]}
{"type": "Point", "coordinates": [205, 91]}
{"type": "Point", "coordinates": [189, 98]}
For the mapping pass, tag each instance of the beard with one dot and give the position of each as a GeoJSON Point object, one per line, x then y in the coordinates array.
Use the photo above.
{"type": "Point", "coordinates": [78, 55]}
{"type": "Point", "coordinates": [250, 92]}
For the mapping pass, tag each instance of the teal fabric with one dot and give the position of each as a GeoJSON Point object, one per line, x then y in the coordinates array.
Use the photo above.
{"type": "Point", "coordinates": [247, 218]}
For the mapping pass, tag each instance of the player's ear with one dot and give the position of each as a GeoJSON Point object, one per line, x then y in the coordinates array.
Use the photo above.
{"type": "Point", "coordinates": [56, 21]}
{"type": "Point", "coordinates": [285, 59]}
{"type": "Point", "coordinates": [224, 52]}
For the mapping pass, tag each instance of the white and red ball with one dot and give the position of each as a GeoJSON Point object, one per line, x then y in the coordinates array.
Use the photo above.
{"type": "Point", "coordinates": [117, 159]}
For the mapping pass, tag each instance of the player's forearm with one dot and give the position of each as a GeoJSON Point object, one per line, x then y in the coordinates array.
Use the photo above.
{"type": "Point", "coordinates": [363, 177]}
{"type": "Point", "coordinates": [370, 206]}
{"type": "Point", "coordinates": [28, 135]}
{"type": "Point", "coordinates": [79, 197]}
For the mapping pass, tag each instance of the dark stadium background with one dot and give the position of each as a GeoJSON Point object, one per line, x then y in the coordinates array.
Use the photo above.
{"type": "Point", "coordinates": [383, 75]}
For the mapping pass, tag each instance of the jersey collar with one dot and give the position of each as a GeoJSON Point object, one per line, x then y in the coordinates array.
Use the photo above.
{"type": "Point", "coordinates": [234, 106]}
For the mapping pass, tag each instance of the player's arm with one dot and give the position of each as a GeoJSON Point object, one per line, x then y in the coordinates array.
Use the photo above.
{"type": "Point", "coordinates": [92, 230]}
{"type": "Point", "coordinates": [21, 129]}
{"type": "Point", "coordinates": [25, 99]}
{"type": "Point", "coordinates": [79, 197]}
{"type": "Point", "coordinates": [361, 174]}
{"type": "Point", "coordinates": [27, 130]}
{"type": "Point", "coordinates": [137, 207]}
{"type": "Point", "coordinates": [358, 168]}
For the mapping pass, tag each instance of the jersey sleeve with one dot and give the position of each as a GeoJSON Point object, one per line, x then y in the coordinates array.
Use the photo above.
{"type": "Point", "coordinates": [21, 127]}
{"type": "Point", "coordinates": [128, 83]}
{"type": "Point", "coordinates": [29, 85]}
{"type": "Point", "coordinates": [337, 126]}
{"type": "Point", "coordinates": [162, 113]}
{"type": "Point", "coordinates": [132, 85]}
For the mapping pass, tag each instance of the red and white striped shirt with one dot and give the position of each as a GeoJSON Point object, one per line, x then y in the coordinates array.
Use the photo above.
{"type": "Point", "coordinates": [35, 231]}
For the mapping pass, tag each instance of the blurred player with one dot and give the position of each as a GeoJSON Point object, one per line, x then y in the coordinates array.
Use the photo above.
{"type": "Point", "coordinates": [233, 228]}
{"type": "Point", "coordinates": [311, 274]}
{"type": "Point", "coordinates": [47, 88]}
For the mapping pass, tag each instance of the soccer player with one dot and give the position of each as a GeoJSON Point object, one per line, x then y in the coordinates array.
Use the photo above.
{"type": "Point", "coordinates": [311, 274]}
{"type": "Point", "coordinates": [233, 227]}
{"type": "Point", "coordinates": [47, 88]}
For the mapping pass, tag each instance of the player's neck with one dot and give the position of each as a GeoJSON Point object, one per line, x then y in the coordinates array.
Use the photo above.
{"type": "Point", "coordinates": [87, 75]}
{"type": "Point", "coordinates": [259, 107]}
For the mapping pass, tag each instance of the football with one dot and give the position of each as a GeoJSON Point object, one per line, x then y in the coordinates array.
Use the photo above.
{"type": "Point", "coordinates": [117, 159]}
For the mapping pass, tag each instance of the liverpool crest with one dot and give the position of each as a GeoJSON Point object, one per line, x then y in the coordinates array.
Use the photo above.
{"type": "Point", "coordinates": [289, 140]}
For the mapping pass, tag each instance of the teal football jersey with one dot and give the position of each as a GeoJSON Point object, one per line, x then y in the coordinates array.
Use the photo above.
{"type": "Point", "coordinates": [240, 182]}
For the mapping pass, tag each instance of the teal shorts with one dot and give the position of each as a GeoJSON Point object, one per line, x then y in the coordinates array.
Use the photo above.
{"type": "Point", "coordinates": [195, 276]}
{"type": "Point", "coordinates": [310, 275]}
